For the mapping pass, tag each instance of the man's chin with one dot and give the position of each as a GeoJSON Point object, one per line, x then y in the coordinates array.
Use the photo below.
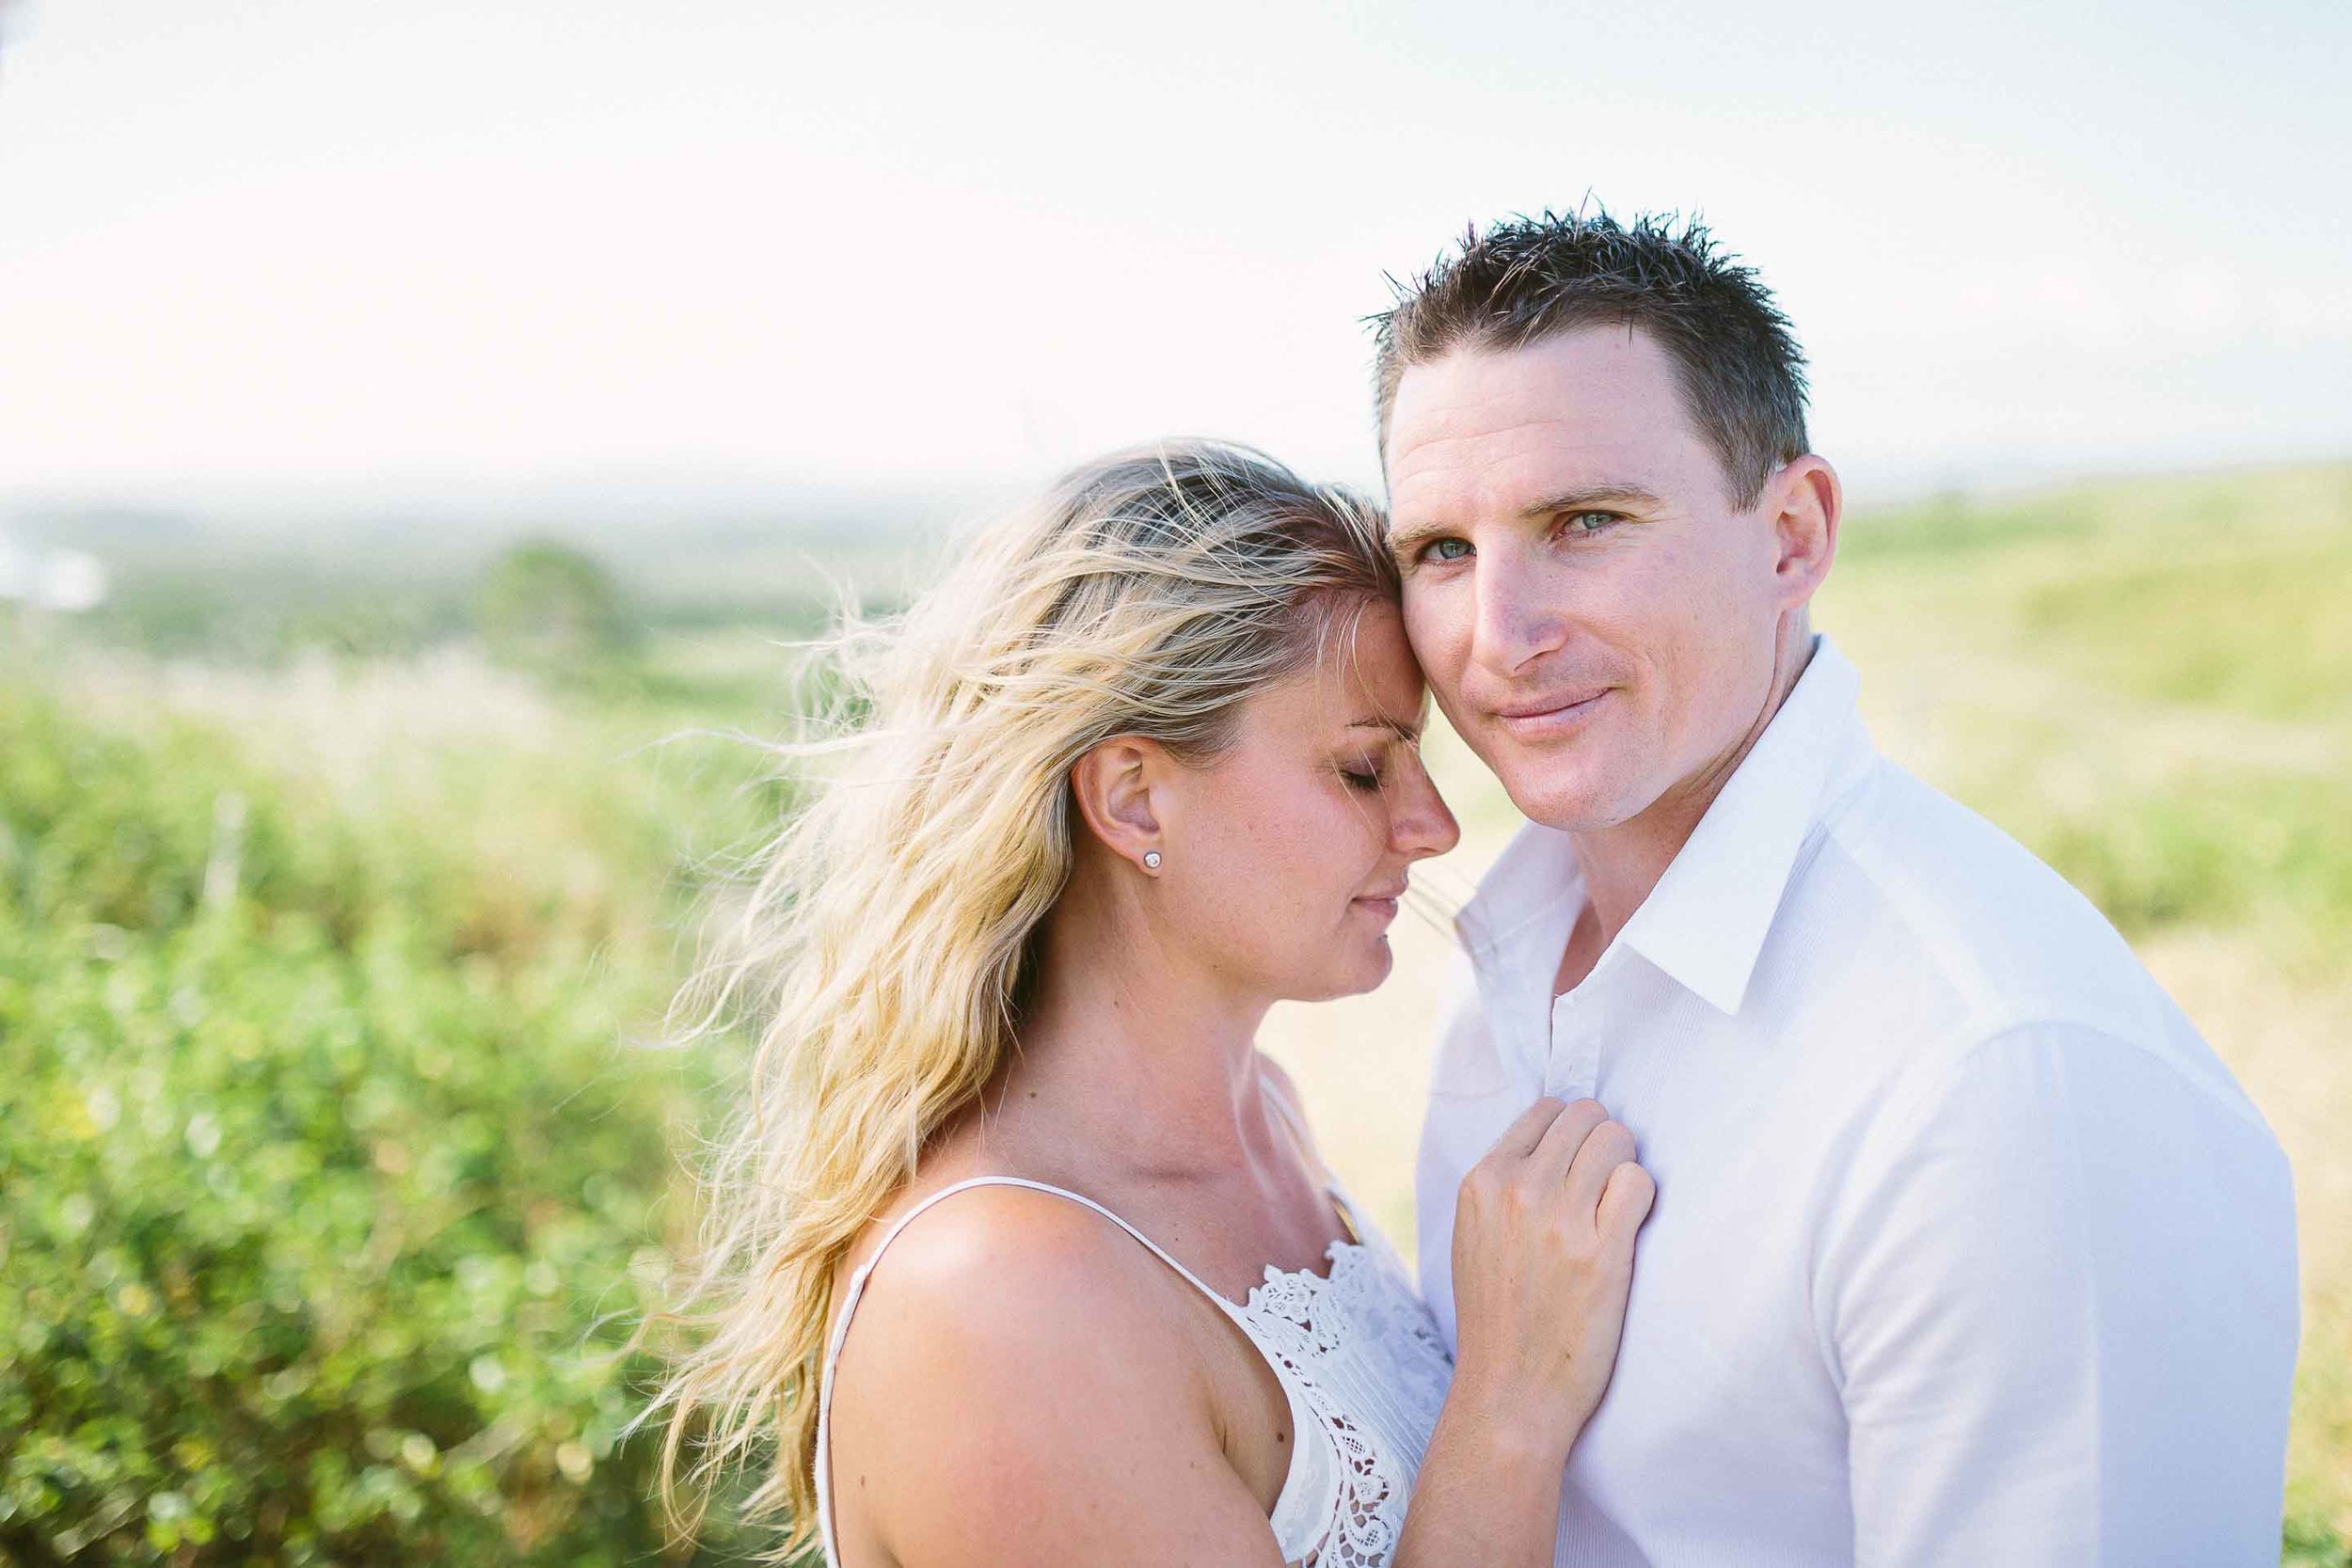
{"type": "Point", "coordinates": [1567, 806]}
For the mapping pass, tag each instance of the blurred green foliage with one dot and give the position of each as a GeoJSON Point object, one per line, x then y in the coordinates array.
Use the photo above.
{"type": "Point", "coordinates": [2310, 1543]}
{"type": "Point", "coordinates": [2267, 634]}
{"type": "Point", "coordinates": [549, 605]}
{"type": "Point", "coordinates": [264, 611]}
{"type": "Point", "coordinates": [327, 1191]}
{"type": "Point", "coordinates": [330, 1186]}
{"type": "Point", "coordinates": [368, 585]}
{"type": "Point", "coordinates": [2148, 682]}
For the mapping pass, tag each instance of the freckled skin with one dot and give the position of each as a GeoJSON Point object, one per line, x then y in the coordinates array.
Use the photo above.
{"type": "Point", "coordinates": [1679, 613]}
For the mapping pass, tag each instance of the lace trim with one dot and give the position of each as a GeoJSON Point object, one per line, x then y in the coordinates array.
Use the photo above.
{"type": "Point", "coordinates": [1357, 1328]}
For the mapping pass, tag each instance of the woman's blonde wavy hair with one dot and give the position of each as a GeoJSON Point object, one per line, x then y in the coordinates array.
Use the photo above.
{"type": "Point", "coordinates": [887, 944]}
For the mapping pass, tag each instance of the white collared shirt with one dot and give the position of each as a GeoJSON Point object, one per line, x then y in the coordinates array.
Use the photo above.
{"type": "Point", "coordinates": [1967, 1251]}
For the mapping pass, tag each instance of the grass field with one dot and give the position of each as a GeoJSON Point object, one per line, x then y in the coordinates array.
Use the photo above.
{"type": "Point", "coordinates": [307, 844]}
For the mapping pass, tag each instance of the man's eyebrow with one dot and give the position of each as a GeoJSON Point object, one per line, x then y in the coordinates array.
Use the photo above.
{"type": "Point", "coordinates": [1394, 726]}
{"type": "Point", "coordinates": [1404, 542]}
{"type": "Point", "coordinates": [1591, 498]}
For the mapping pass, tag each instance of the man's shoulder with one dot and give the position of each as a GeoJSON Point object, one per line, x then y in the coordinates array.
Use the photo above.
{"type": "Point", "coordinates": [1967, 915]}
{"type": "Point", "coordinates": [1920, 943]}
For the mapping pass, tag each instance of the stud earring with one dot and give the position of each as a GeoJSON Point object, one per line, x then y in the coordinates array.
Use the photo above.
{"type": "Point", "coordinates": [1150, 859]}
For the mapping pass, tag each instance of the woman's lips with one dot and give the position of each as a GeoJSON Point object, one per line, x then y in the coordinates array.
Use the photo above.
{"type": "Point", "coordinates": [1550, 718]}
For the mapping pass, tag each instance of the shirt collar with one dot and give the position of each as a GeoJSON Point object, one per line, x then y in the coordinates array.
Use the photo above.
{"type": "Point", "coordinates": [1706, 922]}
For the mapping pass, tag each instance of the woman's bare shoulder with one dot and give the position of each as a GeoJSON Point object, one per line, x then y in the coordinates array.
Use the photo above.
{"type": "Point", "coordinates": [993, 1282]}
{"type": "Point", "coordinates": [1009, 1240]}
{"type": "Point", "coordinates": [1015, 1356]}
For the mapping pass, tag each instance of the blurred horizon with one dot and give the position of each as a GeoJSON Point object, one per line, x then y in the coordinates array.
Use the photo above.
{"type": "Point", "coordinates": [326, 263]}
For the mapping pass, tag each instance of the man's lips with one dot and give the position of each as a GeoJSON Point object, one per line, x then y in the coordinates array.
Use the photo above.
{"type": "Point", "coordinates": [1382, 903]}
{"type": "Point", "coordinates": [1557, 714]}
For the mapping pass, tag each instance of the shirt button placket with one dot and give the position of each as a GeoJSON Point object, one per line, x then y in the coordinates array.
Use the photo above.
{"type": "Point", "coordinates": [1572, 1070]}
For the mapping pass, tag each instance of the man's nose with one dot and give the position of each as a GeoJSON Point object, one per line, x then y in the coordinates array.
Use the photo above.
{"type": "Point", "coordinates": [1516, 624]}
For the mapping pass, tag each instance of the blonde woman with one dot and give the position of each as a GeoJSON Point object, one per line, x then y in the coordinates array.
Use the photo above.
{"type": "Point", "coordinates": [1022, 1252]}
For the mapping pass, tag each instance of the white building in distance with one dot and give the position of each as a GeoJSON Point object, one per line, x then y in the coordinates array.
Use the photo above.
{"type": "Point", "coordinates": [67, 580]}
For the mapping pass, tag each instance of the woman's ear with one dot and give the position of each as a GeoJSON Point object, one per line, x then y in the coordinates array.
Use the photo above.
{"type": "Point", "coordinates": [1114, 787]}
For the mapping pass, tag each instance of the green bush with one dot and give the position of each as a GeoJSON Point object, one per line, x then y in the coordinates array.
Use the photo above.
{"type": "Point", "coordinates": [2314, 1544]}
{"type": "Point", "coordinates": [547, 605]}
{"type": "Point", "coordinates": [322, 1220]}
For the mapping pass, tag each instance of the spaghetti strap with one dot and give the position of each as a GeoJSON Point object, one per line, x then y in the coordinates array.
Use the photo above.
{"type": "Point", "coordinates": [1310, 1478]}
{"type": "Point", "coordinates": [857, 1281]}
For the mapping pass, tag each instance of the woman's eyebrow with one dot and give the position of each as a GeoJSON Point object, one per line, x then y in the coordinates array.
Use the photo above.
{"type": "Point", "coordinates": [1394, 726]}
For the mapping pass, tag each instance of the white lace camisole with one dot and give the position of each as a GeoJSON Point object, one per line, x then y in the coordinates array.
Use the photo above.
{"type": "Point", "coordinates": [1356, 1354]}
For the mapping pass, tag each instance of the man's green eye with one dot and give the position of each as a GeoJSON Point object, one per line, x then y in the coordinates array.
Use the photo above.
{"type": "Point", "coordinates": [1591, 522]}
{"type": "Point", "coordinates": [1448, 549]}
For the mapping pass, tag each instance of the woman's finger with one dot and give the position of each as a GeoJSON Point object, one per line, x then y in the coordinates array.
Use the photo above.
{"type": "Point", "coordinates": [1609, 1146]}
{"type": "Point", "coordinates": [1555, 1156]}
{"type": "Point", "coordinates": [1625, 1201]}
{"type": "Point", "coordinates": [1519, 1139]}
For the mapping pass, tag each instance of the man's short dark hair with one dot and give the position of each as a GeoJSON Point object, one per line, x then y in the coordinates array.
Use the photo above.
{"type": "Point", "coordinates": [1529, 278]}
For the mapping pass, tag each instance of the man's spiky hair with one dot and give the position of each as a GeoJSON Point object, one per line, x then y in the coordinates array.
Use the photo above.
{"type": "Point", "coordinates": [1529, 278]}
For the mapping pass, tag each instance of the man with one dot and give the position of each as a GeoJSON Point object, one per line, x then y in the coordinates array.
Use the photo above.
{"type": "Point", "coordinates": [1967, 1249]}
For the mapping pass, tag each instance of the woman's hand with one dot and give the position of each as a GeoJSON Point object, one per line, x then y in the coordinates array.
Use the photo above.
{"type": "Point", "coordinates": [1543, 1256]}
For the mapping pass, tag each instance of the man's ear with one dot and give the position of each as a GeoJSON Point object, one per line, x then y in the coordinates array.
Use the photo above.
{"type": "Point", "coordinates": [1807, 509]}
{"type": "Point", "coordinates": [1114, 787]}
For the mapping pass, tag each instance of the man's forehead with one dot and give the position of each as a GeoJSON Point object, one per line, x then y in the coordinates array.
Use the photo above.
{"type": "Point", "coordinates": [1488, 427]}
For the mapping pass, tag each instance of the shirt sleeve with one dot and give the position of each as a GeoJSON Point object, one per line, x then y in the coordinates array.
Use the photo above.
{"type": "Point", "coordinates": [2059, 1299]}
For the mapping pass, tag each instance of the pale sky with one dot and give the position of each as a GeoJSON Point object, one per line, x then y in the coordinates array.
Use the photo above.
{"type": "Point", "coordinates": [361, 249]}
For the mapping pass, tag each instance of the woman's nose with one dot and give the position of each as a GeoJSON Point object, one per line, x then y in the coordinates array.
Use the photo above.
{"type": "Point", "coordinates": [1423, 826]}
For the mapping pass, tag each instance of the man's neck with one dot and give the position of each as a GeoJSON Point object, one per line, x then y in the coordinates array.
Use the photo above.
{"type": "Point", "coordinates": [1623, 865]}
